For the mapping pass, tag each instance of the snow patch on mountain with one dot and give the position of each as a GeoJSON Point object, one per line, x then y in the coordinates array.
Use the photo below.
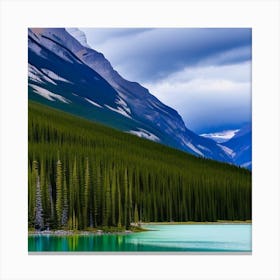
{"type": "Point", "coordinates": [247, 164]}
{"type": "Point", "coordinates": [227, 150]}
{"type": "Point", "coordinates": [192, 147]}
{"type": "Point", "coordinates": [54, 76]}
{"type": "Point", "coordinates": [144, 134]}
{"type": "Point", "coordinates": [36, 76]}
{"type": "Point", "coordinates": [203, 148]}
{"type": "Point", "coordinates": [93, 103]}
{"type": "Point", "coordinates": [123, 104]}
{"type": "Point", "coordinates": [221, 136]}
{"type": "Point", "coordinates": [49, 95]}
{"type": "Point", "coordinates": [119, 110]}
{"type": "Point", "coordinates": [33, 75]}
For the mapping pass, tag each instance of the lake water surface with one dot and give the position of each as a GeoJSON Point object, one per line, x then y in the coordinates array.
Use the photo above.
{"type": "Point", "coordinates": [160, 238]}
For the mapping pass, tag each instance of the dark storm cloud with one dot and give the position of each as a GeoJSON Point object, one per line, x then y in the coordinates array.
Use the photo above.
{"type": "Point", "coordinates": [97, 36]}
{"type": "Point", "coordinates": [203, 73]}
{"type": "Point", "coordinates": [151, 54]}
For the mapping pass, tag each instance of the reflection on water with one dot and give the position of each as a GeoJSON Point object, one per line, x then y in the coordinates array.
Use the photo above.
{"type": "Point", "coordinates": [78, 243]}
{"type": "Point", "coordinates": [163, 238]}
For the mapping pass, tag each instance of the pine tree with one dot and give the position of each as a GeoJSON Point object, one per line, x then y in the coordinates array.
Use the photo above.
{"type": "Point", "coordinates": [51, 202]}
{"type": "Point", "coordinates": [59, 186]}
{"type": "Point", "coordinates": [64, 219]}
{"type": "Point", "coordinates": [113, 195]}
{"type": "Point", "coordinates": [106, 200]}
{"type": "Point", "coordinates": [75, 196]}
{"type": "Point", "coordinates": [46, 199]}
{"type": "Point", "coordinates": [38, 222]}
{"type": "Point", "coordinates": [31, 193]}
{"type": "Point", "coordinates": [136, 215]}
{"type": "Point", "coordinates": [97, 194]}
{"type": "Point", "coordinates": [86, 194]}
{"type": "Point", "coordinates": [126, 199]}
{"type": "Point", "coordinates": [119, 207]}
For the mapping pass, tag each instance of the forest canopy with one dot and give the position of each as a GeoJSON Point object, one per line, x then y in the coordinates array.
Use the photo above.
{"type": "Point", "coordinates": [83, 175]}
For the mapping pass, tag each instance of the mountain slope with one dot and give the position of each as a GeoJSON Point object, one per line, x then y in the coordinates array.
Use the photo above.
{"type": "Point", "coordinates": [241, 147]}
{"type": "Point", "coordinates": [67, 75]}
{"type": "Point", "coordinates": [58, 78]}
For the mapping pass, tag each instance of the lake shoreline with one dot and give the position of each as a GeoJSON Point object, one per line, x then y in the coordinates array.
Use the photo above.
{"type": "Point", "coordinates": [104, 231]}
{"type": "Point", "coordinates": [134, 229]}
{"type": "Point", "coordinates": [72, 233]}
{"type": "Point", "coordinates": [220, 222]}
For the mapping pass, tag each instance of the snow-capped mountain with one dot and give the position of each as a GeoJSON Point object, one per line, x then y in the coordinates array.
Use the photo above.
{"type": "Point", "coordinates": [237, 144]}
{"type": "Point", "coordinates": [239, 147]}
{"type": "Point", "coordinates": [65, 73]}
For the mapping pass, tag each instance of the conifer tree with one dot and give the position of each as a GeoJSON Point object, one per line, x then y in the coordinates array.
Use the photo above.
{"type": "Point", "coordinates": [38, 223]}
{"type": "Point", "coordinates": [113, 196]}
{"type": "Point", "coordinates": [86, 193]}
{"type": "Point", "coordinates": [126, 199]}
{"type": "Point", "coordinates": [119, 208]}
{"type": "Point", "coordinates": [64, 219]}
{"type": "Point", "coordinates": [31, 192]}
{"type": "Point", "coordinates": [136, 216]}
{"type": "Point", "coordinates": [75, 197]}
{"type": "Point", "coordinates": [52, 214]}
{"type": "Point", "coordinates": [59, 186]}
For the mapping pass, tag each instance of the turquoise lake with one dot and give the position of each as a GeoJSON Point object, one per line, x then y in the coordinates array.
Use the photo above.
{"type": "Point", "coordinates": [160, 238]}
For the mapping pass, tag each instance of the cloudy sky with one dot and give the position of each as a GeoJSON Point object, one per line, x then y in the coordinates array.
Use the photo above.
{"type": "Point", "coordinates": [203, 73]}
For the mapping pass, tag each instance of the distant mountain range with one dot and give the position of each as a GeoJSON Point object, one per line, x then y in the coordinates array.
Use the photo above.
{"type": "Point", "coordinates": [65, 73]}
{"type": "Point", "coordinates": [240, 147]}
{"type": "Point", "coordinates": [236, 143]}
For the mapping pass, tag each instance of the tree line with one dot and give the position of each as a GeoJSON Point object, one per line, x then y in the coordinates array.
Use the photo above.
{"type": "Point", "coordinates": [83, 175]}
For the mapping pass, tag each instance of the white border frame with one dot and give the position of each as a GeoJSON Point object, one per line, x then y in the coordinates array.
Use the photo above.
{"type": "Point", "coordinates": [262, 16]}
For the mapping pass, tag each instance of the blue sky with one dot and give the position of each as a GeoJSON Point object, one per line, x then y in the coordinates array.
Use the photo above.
{"type": "Point", "coordinates": [203, 73]}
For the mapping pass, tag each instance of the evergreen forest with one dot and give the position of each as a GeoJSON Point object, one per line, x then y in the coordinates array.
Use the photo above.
{"type": "Point", "coordinates": [84, 175]}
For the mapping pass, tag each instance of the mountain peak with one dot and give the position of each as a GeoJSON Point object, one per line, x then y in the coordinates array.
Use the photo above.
{"type": "Point", "coordinates": [79, 35]}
